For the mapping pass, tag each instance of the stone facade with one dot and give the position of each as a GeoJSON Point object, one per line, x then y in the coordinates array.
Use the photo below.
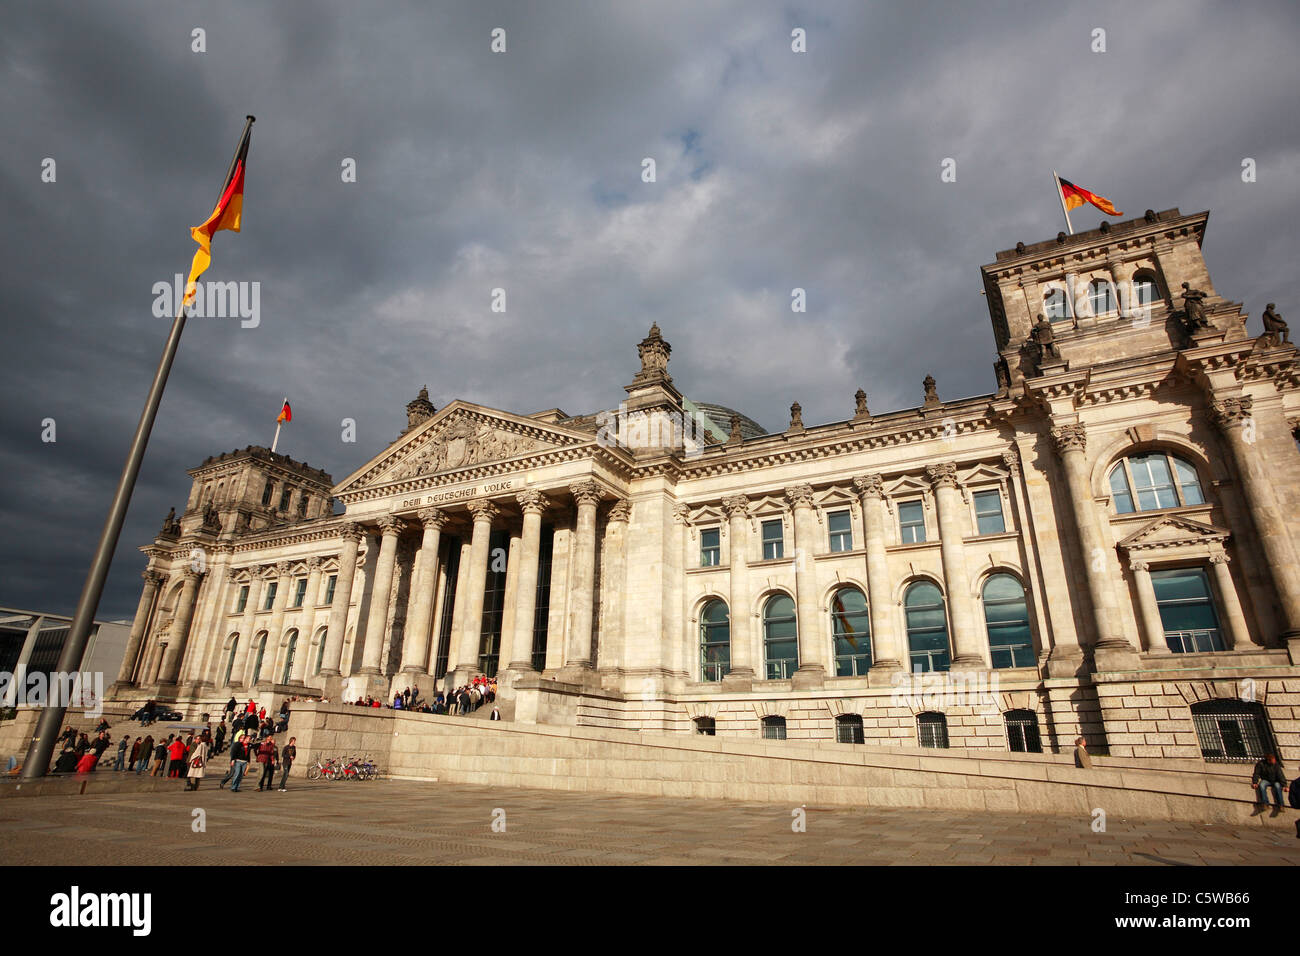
{"type": "Point", "coordinates": [1105, 546]}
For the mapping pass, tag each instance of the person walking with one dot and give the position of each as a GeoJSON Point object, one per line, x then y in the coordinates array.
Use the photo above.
{"type": "Point", "coordinates": [229, 710]}
{"type": "Point", "coordinates": [266, 754]}
{"type": "Point", "coordinates": [120, 763]}
{"type": "Point", "coordinates": [198, 759]}
{"type": "Point", "coordinates": [146, 754]}
{"type": "Point", "coordinates": [238, 762]}
{"type": "Point", "coordinates": [287, 756]}
{"type": "Point", "coordinates": [135, 754]}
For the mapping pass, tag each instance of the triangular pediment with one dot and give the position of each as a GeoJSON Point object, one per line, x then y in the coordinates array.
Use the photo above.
{"type": "Point", "coordinates": [1171, 531]}
{"type": "Point", "coordinates": [461, 435]}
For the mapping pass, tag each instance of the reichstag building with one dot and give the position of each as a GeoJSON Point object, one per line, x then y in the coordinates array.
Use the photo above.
{"type": "Point", "coordinates": [1104, 546]}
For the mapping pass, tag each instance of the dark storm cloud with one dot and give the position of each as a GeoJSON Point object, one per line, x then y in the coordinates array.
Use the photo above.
{"type": "Point", "coordinates": [522, 171]}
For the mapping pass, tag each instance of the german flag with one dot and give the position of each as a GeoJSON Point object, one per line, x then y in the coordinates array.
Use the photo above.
{"type": "Point", "coordinates": [1075, 196]}
{"type": "Point", "coordinates": [286, 413]}
{"type": "Point", "coordinates": [226, 215]}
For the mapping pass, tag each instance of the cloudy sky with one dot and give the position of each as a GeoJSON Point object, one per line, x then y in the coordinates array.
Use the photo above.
{"type": "Point", "coordinates": [523, 170]}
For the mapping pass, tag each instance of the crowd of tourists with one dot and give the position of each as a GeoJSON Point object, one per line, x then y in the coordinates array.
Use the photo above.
{"type": "Point", "coordinates": [462, 700]}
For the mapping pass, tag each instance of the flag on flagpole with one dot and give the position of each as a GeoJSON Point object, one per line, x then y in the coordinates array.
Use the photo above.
{"type": "Point", "coordinates": [286, 413]}
{"type": "Point", "coordinates": [1075, 196]}
{"type": "Point", "coordinates": [226, 215]}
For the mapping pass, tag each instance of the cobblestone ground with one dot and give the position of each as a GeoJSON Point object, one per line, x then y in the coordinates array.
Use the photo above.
{"type": "Point", "coordinates": [400, 823]}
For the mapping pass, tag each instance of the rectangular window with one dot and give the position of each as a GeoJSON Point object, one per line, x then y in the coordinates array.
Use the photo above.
{"type": "Point", "coordinates": [988, 512]}
{"type": "Point", "coordinates": [1187, 610]}
{"type": "Point", "coordinates": [270, 596]}
{"type": "Point", "coordinates": [710, 547]}
{"type": "Point", "coordinates": [329, 588]}
{"type": "Point", "coordinates": [242, 601]}
{"type": "Point", "coordinates": [284, 498]}
{"type": "Point", "coordinates": [911, 522]}
{"type": "Point", "coordinates": [299, 592]}
{"type": "Point", "coordinates": [773, 540]}
{"type": "Point", "coordinates": [841, 531]}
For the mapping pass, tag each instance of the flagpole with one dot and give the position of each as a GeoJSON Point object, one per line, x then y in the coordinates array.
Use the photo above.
{"type": "Point", "coordinates": [40, 751]}
{"type": "Point", "coordinates": [278, 422]}
{"type": "Point", "coordinates": [1061, 196]}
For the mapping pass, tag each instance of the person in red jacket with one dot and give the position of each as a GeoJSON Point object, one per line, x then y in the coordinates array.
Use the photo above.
{"type": "Point", "coordinates": [268, 757]}
{"type": "Point", "coordinates": [177, 753]}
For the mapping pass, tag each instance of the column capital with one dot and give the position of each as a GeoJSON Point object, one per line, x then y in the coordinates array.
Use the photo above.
{"type": "Point", "coordinates": [585, 492]}
{"type": "Point", "coordinates": [391, 526]}
{"type": "Point", "coordinates": [621, 510]}
{"type": "Point", "coordinates": [1011, 461]}
{"type": "Point", "coordinates": [870, 486]}
{"type": "Point", "coordinates": [282, 567]}
{"type": "Point", "coordinates": [1219, 557]}
{"type": "Point", "coordinates": [942, 475]}
{"type": "Point", "coordinates": [1069, 438]}
{"type": "Point", "coordinates": [483, 510]}
{"type": "Point", "coordinates": [737, 506]}
{"type": "Point", "coordinates": [192, 574]}
{"type": "Point", "coordinates": [314, 562]}
{"type": "Point", "coordinates": [532, 501]}
{"type": "Point", "coordinates": [152, 578]}
{"type": "Point", "coordinates": [681, 513]}
{"type": "Point", "coordinates": [232, 574]}
{"type": "Point", "coordinates": [351, 531]}
{"type": "Point", "coordinates": [1139, 565]}
{"type": "Point", "coordinates": [1229, 413]}
{"type": "Point", "coordinates": [432, 518]}
{"type": "Point", "coordinates": [800, 496]}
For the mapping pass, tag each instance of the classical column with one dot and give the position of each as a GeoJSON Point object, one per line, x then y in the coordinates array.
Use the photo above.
{"type": "Point", "coordinates": [742, 642]}
{"type": "Point", "coordinates": [612, 651]}
{"type": "Point", "coordinates": [814, 656]}
{"type": "Point", "coordinates": [954, 521]}
{"type": "Point", "coordinates": [886, 649]}
{"type": "Point", "coordinates": [583, 591]}
{"type": "Point", "coordinates": [377, 623]}
{"type": "Point", "coordinates": [337, 625]}
{"type": "Point", "coordinates": [1071, 443]}
{"type": "Point", "coordinates": [484, 513]}
{"type": "Point", "coordinates": [533, 504]}
{"type": "Point", "coordinates": [415, 643]}
{"type": "Point", "coordinates": [508, 598]}
{"type": "Point", "coordinates": [302, 653]}
{"type": "Point", "coordinates": [1236, 634]}
{"type": "Point", "coordinates": [1232, 416]}
{"type": "Point", "coordinates": [152, 580]}
{"type": "Point", "coordinates": [171, 664]}
{"type": "Point", "coordinates": [1123, 288]}
{"type": "Point", "coordinates": [238, 670]}
{"type": "Point", "coordinates": [1150, 610]}
{"type": "Point", "coordinates": [684, 647]}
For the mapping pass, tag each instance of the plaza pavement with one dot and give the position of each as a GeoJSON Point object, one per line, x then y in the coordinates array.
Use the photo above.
{"type": "Point", "coordinates": [414, 823]}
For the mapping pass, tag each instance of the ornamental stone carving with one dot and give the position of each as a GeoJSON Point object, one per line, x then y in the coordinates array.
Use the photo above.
{"type": "Point", "coordinates": [1276, 331]}
{"type": "Point", "coordinates": [532, 501]}
{"type": "Point", "coordinates": [351, 531]}
{"type": "Point", "coordinates": [1011, 461]}
{"type": "Point", "coordinates": [942, 475]}
{"type": "Point", "coordinates": [654, 353]}
{"type": "Point", "coordinates": [735, 438]}
{"type": "Point", "coordinates": [737, 506]}
{"type": "Point", "coordinates": [796, 416]}
{"type": "Point", "coordinates": [483, 510]}
{"type": "Point", "coordinates": [585, 492]}
{"type": "Point", "coordinates": [870, 486]}
{"type": "Point", "coordinates": [800, 495]}
{"type": "Point", "coordinates": [681, 513]}
{"type": "Point", "coordinates": [390, 525]}
{"type": "Point", "coordinates": [1229, 413]}
{"type": "Point", "coordinates": [432, 517]}
{"type": "Point", "coordinates": [1139, 566]}
{"type": "Point", "coordinates": [860, 409]}
{"type": "Point", "coordinates": [283, 567]}
{"type": "Point", "coordinates": [1218, 558]}
{"type": "Point", "coordinates": [314, 562]}
{"type": "Point", "coordinates": [1070, 438]}
{"type": "Point", "coordinates": [621, 510]}
{"type": "Point", "coordinates": [152, 577]}
{"type": "Point", "coordinates": [461, 442]}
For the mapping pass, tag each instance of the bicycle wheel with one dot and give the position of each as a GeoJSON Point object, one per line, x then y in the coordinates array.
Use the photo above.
{"type": "Point", "coordinates": [313, 773]}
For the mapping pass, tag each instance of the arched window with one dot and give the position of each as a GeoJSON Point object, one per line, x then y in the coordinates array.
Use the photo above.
{"type": "Point", "coordinates": [851, 627]}
{"type": "Point", "coordinates": [927, 627]}
{"type": "Point", "coordinates": [1054, 305]}
{"type": "Point", "coordinates": [1007, 617]}
{"type": "Point", "coordinates": [1145, 290]}
{"type": "Point", "coordinates": [1022, 732]}
{"type": "Point", "coordinates": [288, 656]}
{"type": "Point", "coordinates": [1101, 296]}
{"type": "Point", "coordinates": [706, 726]}
{"type": "Point", "coordinates": [320, 654]}
{"type": "Point", "coordinates": [774, 728]}
{"type": "Point", "coordinates": [848, 729]}
{"type": "Point", "coordinates": [230, 661]}
{"type": "Point", "coordinates": [780, 637]}
{"type": "Point", "coordinates": [1231, 730]}
{"type": "Point", "coordinates": [932, 730]}
{"type": "Point", "coordinates": [257, 663]}
{"type": "Point", "coordinates": [715, 641]}
{"type": "Point", "coordinates": [1154, 480]}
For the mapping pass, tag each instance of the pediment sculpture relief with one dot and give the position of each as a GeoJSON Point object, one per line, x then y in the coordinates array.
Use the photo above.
{"type": "Point", "coordinates": [463, 442]}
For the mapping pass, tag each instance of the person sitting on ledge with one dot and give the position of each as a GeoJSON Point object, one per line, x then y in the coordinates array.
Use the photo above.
{"type": "Point", "coordinates": [1268, 778]}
